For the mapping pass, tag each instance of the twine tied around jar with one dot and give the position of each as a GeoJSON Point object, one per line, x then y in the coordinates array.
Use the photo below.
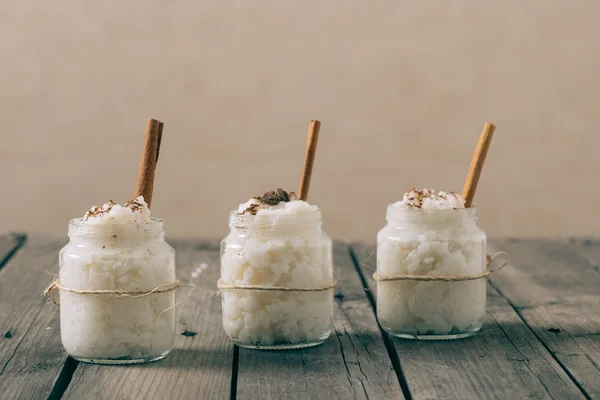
{"type": "Point", "coordinates": [164, 288]}
{"type": "Point", "coordinates": [496, 258]}
{"type": "Point", "coordinates": [222, 285]}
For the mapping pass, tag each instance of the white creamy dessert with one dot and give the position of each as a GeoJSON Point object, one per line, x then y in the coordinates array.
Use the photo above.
{"type": "Point", "coordinates": [428, 200]}
{"type": "Point", "coordinates": [117, 248]}
{"type": "Point", "coordinates": [277, 241]}
{"type": "Point", "coordinates": [431, 234]}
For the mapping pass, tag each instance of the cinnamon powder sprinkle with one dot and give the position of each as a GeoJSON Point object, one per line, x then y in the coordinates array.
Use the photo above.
{"type": "Point", "coordinates": [134, 205]}
{"type": "Point", "coordinates": [99, 210]}
{"type": "Point", "coordinates": [96, 211]}
{"type": "Point", "coordinates": [415, 198]}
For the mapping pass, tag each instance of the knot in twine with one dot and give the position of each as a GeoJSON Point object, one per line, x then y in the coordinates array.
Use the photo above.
{"type": "Point", "coordinates": [164, 288]}
{"type": "Point", "coordinates": [456, 278]}
{"type": "Point", "coordinates": [222, 285]}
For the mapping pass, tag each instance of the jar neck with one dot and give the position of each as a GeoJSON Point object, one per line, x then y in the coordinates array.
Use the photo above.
{"type": "Point", "coordinates": [286, 224]}
{"type": "Point", "coordinates": [434, 219]}
{"type": "Point", "coordinates": [80, 231]}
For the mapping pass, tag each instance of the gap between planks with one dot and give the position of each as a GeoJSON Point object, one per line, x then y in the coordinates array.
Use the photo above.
{"type": "Point", "coordinates": [552, 353]}
{"type": "Point", "coordinates": [10, 244]}
{"type": "Point", "coordinates": [234, 373]}
{"type": "Point", "coordinates": [389, 345]}
{"type": "Point", "coordinates": [32, 356]}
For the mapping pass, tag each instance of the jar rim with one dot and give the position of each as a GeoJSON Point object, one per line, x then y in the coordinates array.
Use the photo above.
{"type": "Point", "coordinates": [240, 220]}
{"type": "Point", "coordinates": [78, 227]}
{"type": "Point", "coordinates": [396, 213]}
{"type": "Point", "coordinates": [411, 211]}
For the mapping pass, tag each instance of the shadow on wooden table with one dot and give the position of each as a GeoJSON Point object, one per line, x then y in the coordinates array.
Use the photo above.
{"type": "Point", "coordinates": [209, 359]}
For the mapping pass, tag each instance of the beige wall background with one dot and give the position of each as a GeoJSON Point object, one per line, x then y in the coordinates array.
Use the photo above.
{"type": "Point", "coordinates": [403, 89]}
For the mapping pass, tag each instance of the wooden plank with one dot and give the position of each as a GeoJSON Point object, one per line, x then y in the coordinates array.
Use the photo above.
{"type": "Point", "coordinates": [32, 358]}
{"type": "Point", "coordinates": [554, 286]}
{"type": "Point", "coordinates": [544, 272]}
{"type": "Point", "coordinates": [505, 361]}
{"type": "Point", "coordinates": [352, 363]}
{"type": "Point", "coordinates": [9, 244]}
{"type": "Point", "coordinates": [198, 367]}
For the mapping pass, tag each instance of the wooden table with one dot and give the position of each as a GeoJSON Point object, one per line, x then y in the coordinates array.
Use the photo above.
{"type": "Point", "coordinates": [541, 338]}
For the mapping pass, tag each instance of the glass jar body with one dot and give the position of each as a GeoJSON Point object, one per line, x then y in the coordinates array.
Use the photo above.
{"type": "Point", "coordinates": [444, 243]}
{"type": "Point", "coordinates": [112, 329]}
{"type": "Point", "coordinates": [277, 254]}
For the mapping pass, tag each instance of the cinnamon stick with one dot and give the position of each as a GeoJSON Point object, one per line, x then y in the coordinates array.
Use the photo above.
{"type": "Point", "coordinates": [145, 179]}
{"type": "Point", "coordinates": [309, 159]}
{"type": "Point", "coordinates": [483, 145]}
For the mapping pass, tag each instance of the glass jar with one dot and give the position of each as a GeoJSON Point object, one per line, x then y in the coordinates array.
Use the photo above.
{"type": "Point", "coordinates": [111, 328]}
{"type": "Point", "coordinates": [277, 251]}
{"type": "Point", "coordinates": [439, 243]}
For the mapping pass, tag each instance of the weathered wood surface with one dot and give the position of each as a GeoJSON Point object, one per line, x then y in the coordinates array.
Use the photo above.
{"type": "Point", "coordinates": [541, 338]}
{"type": "Point", "coordinates": [32, 358]}
{"type": "Point", "coordinates": [505, 361]}
{"type": "Point", "coordinates": [199, 367]}
{"type": "Point", "coordinates": [555, 288]}
{"type": "Point", "coordinates": [352, 364]}
{"type": "Point", "coordinates": [544, 272]}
